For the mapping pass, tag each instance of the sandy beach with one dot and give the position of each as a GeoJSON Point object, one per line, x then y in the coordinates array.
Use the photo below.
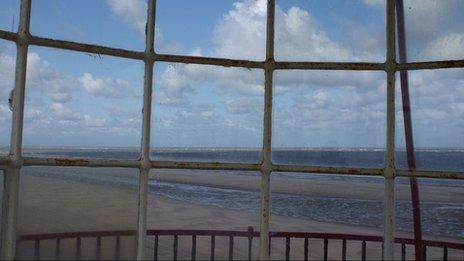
{"type": "Point", "coordinates": [49, 204]}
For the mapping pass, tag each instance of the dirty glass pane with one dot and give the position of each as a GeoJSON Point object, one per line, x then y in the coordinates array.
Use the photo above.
{"type": "Point", "coordinates": [329, 118]}
{"type": "Point", "coordinates": [111, 23]}
{"type": "Point", "coordinates": [341, 30]}
{"type": "Point", "coordinates": [9, 15]}
{"type": "Point", "coordinates": [7, 71]}
{"type": "Point", "coordinates": [225, 29]}
{"type": "Point", "coordinates": [80, 105]}
{"type": "Point", "coordinates": [74, 201]}
{"type": "Point", "coordinates": [442, 213]}
{"type": "Point", "coordinates": [203, 200]}
{"type": "Point", "coordinates": [336, 204]}
{"type": "Point", "coordinates": [434, 29]}
{"type": "Point", "coordinates": [207, 113]}
{"type": "Point", "coordinates": [437, 107]}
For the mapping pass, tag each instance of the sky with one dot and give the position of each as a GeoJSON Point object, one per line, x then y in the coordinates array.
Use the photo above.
{"type": "Point", "coordinates": [86, 100]}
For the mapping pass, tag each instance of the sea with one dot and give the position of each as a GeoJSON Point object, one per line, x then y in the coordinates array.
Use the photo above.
{"type": "Point", "coordinates": [438, 218]}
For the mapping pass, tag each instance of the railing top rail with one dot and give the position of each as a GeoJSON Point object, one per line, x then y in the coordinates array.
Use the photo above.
{"type": "Point", "coordinates": [236, 233]}
{"type": "Point", "coordinates": [82, 234]}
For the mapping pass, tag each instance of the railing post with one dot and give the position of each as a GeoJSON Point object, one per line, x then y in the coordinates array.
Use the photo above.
{"type": "Point", "coordinates": [287, 248]}
{"type": "Point", "coordinates": [155, 248]}
{"type": "Point", "coordinates": [58, 249]}
{"type": "Point", "coordinates": [344, 249]}
{"type": "Point", "coordinates": [306, 248]}
{"type": "Point", "coordinates": [117, 251]}
{"type": "Point", "coordinates": [403, 251]}
{"type": "Point", "coordinates": [213, 247]}
{"type": "Point", "coordinates": [78, 248]}
{"type": "Point", "coordinates": [326, 249]}
{"type": "Point", "coordinates": [363, 255]}
{"type": "Point", "coordinates": [98, 249]}
{"type": "Point", "coordinates": [194, 247]}
{"type": "Point", "coordinates": [231, 248]}
{"type": "Point", "coordinates": [250, 241]}
{"type": "Point", "coordinates": [37, 249]}
{"type": "Point", "coordinates": [174, 247]}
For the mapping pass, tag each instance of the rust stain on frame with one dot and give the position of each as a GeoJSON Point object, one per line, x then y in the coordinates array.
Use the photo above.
{"type": "Point", "coordinates": [70, 162]}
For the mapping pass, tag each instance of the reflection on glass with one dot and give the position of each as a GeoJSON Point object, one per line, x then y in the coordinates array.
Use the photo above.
{"type": "Point", "coordinates": [329, 118]}
{"type": "Point", "coordinates": [110, 23]}
{"type": "Point", "coordinates": [63, 200]}
{"type": "Point", "coordinates": [225, 29]}
{"type": "Point", "coordinates": [434, 30]}
{"type": "Point", "coordinates": [437, 98]}
{"type": "Point", "coordinates": [9, 15]}
{"type": "Point", "coordinates": [207, 113]}
{"type": "Point", "coordinates": [208, 200]}
{"type": "Point", "coordinates": [88, 108]}
{"type": "Point", "coordinates": [442, 212]}
{"type": "Point", "coordinates": [326, 204]}
{"type": "Point", "coordinates": [330, 30]}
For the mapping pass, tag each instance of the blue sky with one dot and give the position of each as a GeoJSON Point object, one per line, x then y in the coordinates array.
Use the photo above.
{"type": "Point", "coordinates": [75, 99]}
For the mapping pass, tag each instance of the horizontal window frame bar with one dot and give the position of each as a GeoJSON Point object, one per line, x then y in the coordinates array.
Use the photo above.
{"type": "Point", "coordinates": [339, 66]}
{"type": "Point", "coordinates": [200, 60]}
{"type": "Point", "coordinates": [81, 162]}
{"type": "Point", "coordinates": [128, 163]}
{"type": "Point", "coordinates": [354, 171]}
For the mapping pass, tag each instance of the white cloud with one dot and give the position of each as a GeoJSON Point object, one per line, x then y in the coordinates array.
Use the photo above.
{"type": "Point", "coordinates": [242, 31]}
{"type": "Point", "coordinates": [133, 12]}
{"type": "Point", "coordinates": [243, 105]}
{"type": "Point", "coordinates": [106, 87]}
{"type": "Point", "coordinates": [42, 78]}
{"type": "Point", "coordinates": [447, 47]}
{"type": "Point", "coordinates": [299, 38]}
{"type": "Point", "coordinates": [375, 3]}
{"type": "Point", "coordinates": [425, 18]}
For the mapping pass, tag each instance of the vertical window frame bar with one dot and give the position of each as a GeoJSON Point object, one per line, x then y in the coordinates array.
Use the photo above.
{"type": "Point", "coordinates": [145, 164]}
{"type": "Point", "coordinates": [389, 173]}
{"type": "Point", "coordinates": [12, 172]}
{"type": "Point", "coordinates": [266, 165]}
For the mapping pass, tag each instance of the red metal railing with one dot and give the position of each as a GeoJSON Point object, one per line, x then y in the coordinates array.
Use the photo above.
{"type": "Point", "coordinates": [231, 234]}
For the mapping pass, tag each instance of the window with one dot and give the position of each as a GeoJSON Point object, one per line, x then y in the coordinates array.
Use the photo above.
{"type": "Point", "coordinates": [274, 87]}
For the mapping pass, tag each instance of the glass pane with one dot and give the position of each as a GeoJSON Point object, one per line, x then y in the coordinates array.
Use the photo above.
{"type": "Point", "coordinates": [442, 212]}
{"type": "Point", "coordinates": [90, 107]}
{"type": "Point", "coordinates": [9, 15]}
{"type": "Point", "coordinates": [203, 200]}
{"type": "Point", "coordinates": [226, 29]}
{"type": "Point", "coordinates": [111, 23]}
{"type": "Point", "coordinates": [337, 204]}
{"type": "Point", "coordinates": [437, 106]}
{"type": "Point", "coordinates": [329, 118]}
{"type": "Point", "coordinates": [341, 30]}
{"type": "Point", "coordinates": [79, 200]}
{"type": "Point", "coordinates": [7, 72]}
{"type": "Point", "coordinates": [434, 29]}
{"type": "Point", "coordinates": [207, 113]}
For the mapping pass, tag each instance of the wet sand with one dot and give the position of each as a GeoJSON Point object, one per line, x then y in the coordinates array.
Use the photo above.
{"type": "Point", "coordinates": [55, 205]}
